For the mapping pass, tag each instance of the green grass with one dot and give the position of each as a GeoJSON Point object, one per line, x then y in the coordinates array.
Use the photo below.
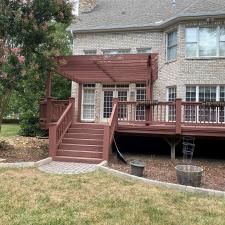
{"type": "Point", "coordinates": [30, 197]}
{"type": "Point", "coordinates": [9, 130]}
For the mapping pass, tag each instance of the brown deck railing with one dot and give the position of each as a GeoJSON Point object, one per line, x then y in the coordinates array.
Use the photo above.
{"type": "Point", "coordinates": [59, 128]}
{"type": "Point", "coordinates": [173, 113]}
{"type": "Point", "coordinates": [51, 110]}
{"type": "Point", "coordinates": [109, 131]}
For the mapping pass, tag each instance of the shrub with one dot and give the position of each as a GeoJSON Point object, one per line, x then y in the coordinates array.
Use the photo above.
{"type": "Point", "coordinates": [30, 127]}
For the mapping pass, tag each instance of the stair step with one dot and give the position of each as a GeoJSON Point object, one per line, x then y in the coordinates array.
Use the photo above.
{"type": "Point", "coordinates": [86, 130]}
{"type": "Point", "coordinates": [82, 141]}
{"type": "Point", "coordinates": [84, 136]}
{"type": "Point", "coordinates": [83, 154]}
{"type": "Point", "coordinates": [80, 147]}
{"type": "Point", "coordinates": [77, 159]}
{"type": "Point", "coordinates": [87, 125]}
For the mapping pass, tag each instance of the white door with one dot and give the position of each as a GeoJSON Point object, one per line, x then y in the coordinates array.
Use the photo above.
{"type": "Point", "coordinates": [108, 103]}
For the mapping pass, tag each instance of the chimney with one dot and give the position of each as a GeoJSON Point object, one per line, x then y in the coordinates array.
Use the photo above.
{"type": "Point", "coordinates": [86, 6]}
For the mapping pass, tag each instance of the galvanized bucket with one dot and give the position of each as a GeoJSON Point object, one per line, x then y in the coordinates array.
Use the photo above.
{"type": "Point", "coordinates": [189, 175]}
{"type": "Point", "coordinates": [137, 168]}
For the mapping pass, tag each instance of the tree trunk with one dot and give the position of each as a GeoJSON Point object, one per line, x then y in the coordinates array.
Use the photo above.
{"type": "Point", "coordinates": [4, 103]}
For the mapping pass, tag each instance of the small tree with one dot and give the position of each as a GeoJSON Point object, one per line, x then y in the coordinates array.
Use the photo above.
{"type": "Point", "coordinates": [27, 42]}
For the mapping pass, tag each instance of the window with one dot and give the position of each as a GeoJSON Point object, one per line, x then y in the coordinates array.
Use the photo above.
{"type": "Point", "coordinates": [90, 52]}
{"type": "Point", "coordinates": [116, 51]}
{"type": "Point", "coordinates": [205, 94]}
{"type": "Point", "coordinates": [190, 111]}
{"type": "Point", "coordinates": [88, 102]}
{"type": "Point", "coordinates": [171, 97]}
{"type": "Point", "coordinates": [172, 46]}
{"type": "Point", "coordinates": [143, 50]}
{"type": "Point", "coordinates": [222, 42]}
{"type": "Point", "coordinates": [172, 94]}
{"type": "Point", "coordinates": [140, 96]}
{"type": "Point", "coordinates": [205, 42]}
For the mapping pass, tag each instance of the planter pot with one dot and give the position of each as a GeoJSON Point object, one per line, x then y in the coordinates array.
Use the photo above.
{"type": "Point", "coordinates": [189, 175]}
{"type": "Point", "coordinates": [137, 168]}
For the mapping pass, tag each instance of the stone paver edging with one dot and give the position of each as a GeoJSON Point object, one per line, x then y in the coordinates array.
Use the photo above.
{"type": "Point", "coordinates": [178, 187]}
{"type": "Point", "coordinates": [26, 164]}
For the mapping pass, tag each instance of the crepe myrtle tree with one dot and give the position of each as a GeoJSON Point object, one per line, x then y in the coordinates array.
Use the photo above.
{"type": "Point", "coordinates": [27, 43]}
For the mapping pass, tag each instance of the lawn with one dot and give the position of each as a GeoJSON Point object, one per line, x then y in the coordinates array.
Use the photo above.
{"type": "Point", "coordinates": [9, 130]}
{"type": "Point", "coordinates": [30, 197]}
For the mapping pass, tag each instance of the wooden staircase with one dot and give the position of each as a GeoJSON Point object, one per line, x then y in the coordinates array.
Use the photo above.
{"type": "Point", "coordinates": [83, 143]}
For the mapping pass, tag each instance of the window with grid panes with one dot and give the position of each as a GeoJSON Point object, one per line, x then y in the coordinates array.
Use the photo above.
{"type": "Point", "coordinates": [172, 46]}
{"type": "Point", "coordinates": [190, 111]}
{"type": "Point", "coordinates": [88, 102]}
{"type": "Point", "coordinates": [172, 95]}
{"type": "Point", "coordinates": [140, 96]}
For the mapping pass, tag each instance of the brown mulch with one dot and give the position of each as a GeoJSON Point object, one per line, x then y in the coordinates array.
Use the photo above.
{"type": "Point", "coordinates": [23, 149]}
{"type": "Point", "coordinates": [162, 168]}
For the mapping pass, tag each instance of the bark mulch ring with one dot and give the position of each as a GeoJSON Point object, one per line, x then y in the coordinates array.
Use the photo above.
{"type": "Point", "coordinates": [23, 149]}
{"type": "Point", "coordinates": [161, 168]}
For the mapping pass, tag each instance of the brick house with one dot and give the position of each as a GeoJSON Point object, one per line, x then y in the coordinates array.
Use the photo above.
{"type": "Point", "coordinates": [182, 44]}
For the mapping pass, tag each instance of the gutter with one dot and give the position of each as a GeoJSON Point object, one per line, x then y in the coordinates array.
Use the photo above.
{"type": "Point", "coordinates": [153, 27]}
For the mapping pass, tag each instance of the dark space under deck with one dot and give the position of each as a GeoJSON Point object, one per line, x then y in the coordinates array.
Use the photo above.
{"type": "Point", "coordinates": [147, 144]}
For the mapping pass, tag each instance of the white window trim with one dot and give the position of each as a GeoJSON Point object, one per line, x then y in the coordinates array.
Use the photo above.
{"type": "Point", "coordinates": [204, 57]}
{"type": "Point", "coordinates": [167, 34]}
{"type": "Point", "coordinates": [82, 104]}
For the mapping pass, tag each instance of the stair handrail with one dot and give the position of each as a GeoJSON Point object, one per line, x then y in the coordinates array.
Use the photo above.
{"type": "Point", "coordinates": [58, 129]}
{"type": "Point", "coordinates": [110, 129]}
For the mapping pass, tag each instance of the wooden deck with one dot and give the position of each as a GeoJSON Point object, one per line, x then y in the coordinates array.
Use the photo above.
{"type": "Point", "coordinates": [170, 130]}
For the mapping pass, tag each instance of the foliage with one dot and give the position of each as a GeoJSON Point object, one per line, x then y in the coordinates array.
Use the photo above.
{"type": "Point", "coordinates": [27, 45]}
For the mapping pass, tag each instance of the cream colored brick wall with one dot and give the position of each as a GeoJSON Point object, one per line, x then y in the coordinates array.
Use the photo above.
{"type": "Point", "coordinates": [180, 72]}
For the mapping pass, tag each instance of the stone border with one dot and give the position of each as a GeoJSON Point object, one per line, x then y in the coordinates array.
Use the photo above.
{"type": "Point", "coordinates": [178, 187]}
{"type": "Point", "coordinates": [26, 164]}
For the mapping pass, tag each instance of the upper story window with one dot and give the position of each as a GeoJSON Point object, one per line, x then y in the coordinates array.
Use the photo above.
{"type": "Point", "coordinates": [144, 50]}
{"type": "Point", "coordinates": [172, 46]}
{"type": "Point", "coordinates": [116, 51]}
{"type": "Point", "coordinates": [205, 42]}
{"type": "Point", "coordinates": [90, 52]}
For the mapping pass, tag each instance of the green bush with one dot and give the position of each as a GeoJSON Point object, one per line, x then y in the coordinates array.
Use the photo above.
{"type": "Point", "coordinates": [30, 127]}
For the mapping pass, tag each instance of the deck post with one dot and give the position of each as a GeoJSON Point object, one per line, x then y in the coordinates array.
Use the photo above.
{"type": "Point", "coordinates": [49, 85]}
{"type": "Point", "coordinates": [49, 110]}
{"type": "Point", "coordinates": [178, 115]}
{"type": "Point", "coordinates": [172, 142]}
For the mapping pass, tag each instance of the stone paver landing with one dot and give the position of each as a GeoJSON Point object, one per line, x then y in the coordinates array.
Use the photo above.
{"type": "Point", "coordinates": [67, 168]}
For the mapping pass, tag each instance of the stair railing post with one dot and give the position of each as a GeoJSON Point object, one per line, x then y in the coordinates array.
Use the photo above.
{"type": "Point", "coordinates": [106, 143]}
{"type": "Point", "coordinates": [178, 115]}
{"type": "Point", "coordinates": [52, 139]}
{"type": "Point", "coordinates": [72, 100]}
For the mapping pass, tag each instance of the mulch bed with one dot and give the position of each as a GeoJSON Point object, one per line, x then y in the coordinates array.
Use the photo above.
{"type": "Point", "coordinates": [23, 149]}
{"type": "Point", "coordinates": [162, 169]}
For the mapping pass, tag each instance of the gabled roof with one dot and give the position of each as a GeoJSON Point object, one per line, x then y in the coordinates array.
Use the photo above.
{"type": "Point", "coordinates": [137, 14]}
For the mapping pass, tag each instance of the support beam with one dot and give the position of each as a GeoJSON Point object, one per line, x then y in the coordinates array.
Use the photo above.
{"type": "Point", "coordinates": [173, 142]}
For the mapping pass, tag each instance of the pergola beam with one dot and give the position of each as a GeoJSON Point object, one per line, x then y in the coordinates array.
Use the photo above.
{"type": "Point", "coordinates": [104, 71]}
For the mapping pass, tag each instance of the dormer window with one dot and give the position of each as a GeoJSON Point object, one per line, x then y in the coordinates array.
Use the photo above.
{"type": "Point", "coordinates": [172, 46]}
{"type": "Point", "coordinates": [205, 42]}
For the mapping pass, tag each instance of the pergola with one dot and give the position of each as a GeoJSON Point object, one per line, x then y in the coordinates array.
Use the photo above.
{"type": "Point", "coordinates": [130, 68]}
